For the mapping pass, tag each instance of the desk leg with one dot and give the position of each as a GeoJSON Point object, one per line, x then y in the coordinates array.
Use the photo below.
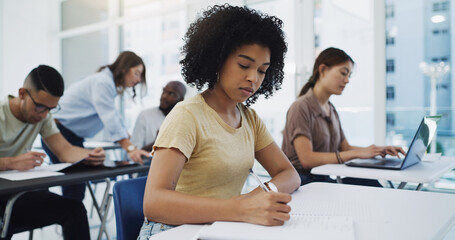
{"type": "Point", "coordinates": [390, 184]}
{"type": "Point", "coordinates": [101, 209]}
{"type": "Point", "coordinates": [339, 180]}
{"type": "Point", "coordinates": [7, 215]}
{"type": "Point", "coordinates": [402, 184]}
{"type": "Point", "coordinates": [419, 187]}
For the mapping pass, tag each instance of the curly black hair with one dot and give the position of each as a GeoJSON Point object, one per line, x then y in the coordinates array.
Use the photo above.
{"type": "Point", "coordinates": [220, 31]}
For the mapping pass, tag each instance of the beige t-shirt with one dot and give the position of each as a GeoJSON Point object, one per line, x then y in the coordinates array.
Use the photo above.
{"type": "Point", "coordinates": [219, 156]}
{"type": "Point", "coordinates": [16, 136]}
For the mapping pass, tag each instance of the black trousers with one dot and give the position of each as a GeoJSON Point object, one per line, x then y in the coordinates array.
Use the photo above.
{"type": "Point", "coordinates": [76, 191]}
{"type": "Point", "coordinates": [42, 208]}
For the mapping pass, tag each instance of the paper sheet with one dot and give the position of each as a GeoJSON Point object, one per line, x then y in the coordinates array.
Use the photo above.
{"type": "Point", "coordinates": [15, 175]}
{"type": "Point", "coordinates": [299, 227]}
{"type": "Point", "coordinates": [44, 170]}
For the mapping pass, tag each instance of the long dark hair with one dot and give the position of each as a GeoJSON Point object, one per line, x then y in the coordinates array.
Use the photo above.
{"type": "Point", "coordinates": [329, 57]}
{"type": "Point", "coordinates": [121, 66]}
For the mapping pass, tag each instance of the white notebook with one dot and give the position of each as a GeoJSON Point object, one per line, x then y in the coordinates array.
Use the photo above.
{"type": "Point", "coordinates": [301, 226]}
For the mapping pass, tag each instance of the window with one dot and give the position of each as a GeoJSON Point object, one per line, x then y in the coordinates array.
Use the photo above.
{"type": "Point", "coordinates": [390, 41]}
{"type": "Point", "coordinates": [390, 66]}
{"type": "Point", "coordinates": [389, 11]}
{"type": "Point", "coordinates": [444, 6]}
{"type": "Point", "coordinates": [436, 7]}
{"type": "Point", "coordinates": [431, 43]}
{"type": "Point", "coordinates": [440, 6]}
{"type": "Point", "coordinates": [316, 41]}
{"type": "Point", "coordinates": [390, 93]}
{"type": "Point", "coordinates": [390, 119]}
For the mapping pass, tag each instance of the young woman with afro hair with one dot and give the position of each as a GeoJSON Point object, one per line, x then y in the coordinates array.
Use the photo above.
{"type": "Point", "coordinates": [208, 143]}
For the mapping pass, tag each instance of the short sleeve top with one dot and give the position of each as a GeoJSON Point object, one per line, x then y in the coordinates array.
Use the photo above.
{"type": "Point", "coordinates": [306, 118]}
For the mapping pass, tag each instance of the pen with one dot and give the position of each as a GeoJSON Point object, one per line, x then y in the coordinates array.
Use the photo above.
{"type": "Point", "coordinates": [259, 180]}
{"type": "Point", "coordinates": [29, 150]}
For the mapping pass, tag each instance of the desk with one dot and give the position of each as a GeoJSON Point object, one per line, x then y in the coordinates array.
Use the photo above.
{"type": "Point", "coordinates": [378, 213]}
{"type": "Point", "coordinates": [421, 173]}
{"type": "Point", "coordinates": [79, 176]}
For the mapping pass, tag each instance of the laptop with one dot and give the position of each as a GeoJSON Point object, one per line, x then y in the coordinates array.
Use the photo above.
{"type": "Point", "coordinates": [417, 149]}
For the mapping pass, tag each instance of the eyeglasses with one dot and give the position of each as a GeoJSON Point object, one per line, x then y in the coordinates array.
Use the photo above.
{"type": "Point", "coordinates": [40, 108]}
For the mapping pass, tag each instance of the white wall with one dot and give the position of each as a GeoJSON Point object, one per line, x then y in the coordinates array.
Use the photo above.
{"type": "Point", "coordinates": [27, 40]}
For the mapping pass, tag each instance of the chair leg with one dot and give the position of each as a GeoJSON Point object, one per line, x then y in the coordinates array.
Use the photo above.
{"type": "Point", "coordinates": [93, 205]}
{"type": "Point", "coordinates": [30, 235]}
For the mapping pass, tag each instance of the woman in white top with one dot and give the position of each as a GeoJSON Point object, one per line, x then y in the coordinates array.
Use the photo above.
{"type": "Point", "coordinates": [88, 106]}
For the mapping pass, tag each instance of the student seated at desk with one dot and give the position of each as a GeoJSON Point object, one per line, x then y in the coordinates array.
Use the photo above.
{"type": "Point", "coordinates": [208, 143]}
{"type": "Point", "coordinates": [149, 121]}
{"type": "Point", "coordinates": [88, 107]}
{"type": "Point", "coordinates": [21, 119]}
{"type": "Point", "coordinates": [313, 135]}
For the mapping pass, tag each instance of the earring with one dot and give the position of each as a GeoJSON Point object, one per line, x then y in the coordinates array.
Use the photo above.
{"type": "Point", "coordinates": [217, 76]}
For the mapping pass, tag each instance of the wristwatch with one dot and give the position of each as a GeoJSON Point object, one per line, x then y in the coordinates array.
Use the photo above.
{"type": "Point", "coordinates": [131, 148]}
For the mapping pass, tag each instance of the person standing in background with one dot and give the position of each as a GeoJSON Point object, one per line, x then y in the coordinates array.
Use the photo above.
{"type": "Point", "coordinates": [88, 106]}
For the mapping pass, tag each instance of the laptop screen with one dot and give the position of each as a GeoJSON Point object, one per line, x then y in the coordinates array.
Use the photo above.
{"type": "Point", "coordinates": [421, 140]}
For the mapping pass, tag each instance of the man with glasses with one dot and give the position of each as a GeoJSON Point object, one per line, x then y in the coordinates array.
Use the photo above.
{"type": "Point", "coordinates": [22, 118]}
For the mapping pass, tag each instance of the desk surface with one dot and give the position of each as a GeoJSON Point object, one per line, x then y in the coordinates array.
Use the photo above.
{"type": "Point", "coordinates": [378, 213]}
{"type": "Point", "coordinates": [423, 172]}
{"type": "Point", "coordinates": [77, 176]}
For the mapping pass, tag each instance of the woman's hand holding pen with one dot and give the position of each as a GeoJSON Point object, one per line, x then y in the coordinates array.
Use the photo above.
{"type": "Point", "coordinates": [264, 208]}
{"type": "Point", "coordinates": [26, 161]}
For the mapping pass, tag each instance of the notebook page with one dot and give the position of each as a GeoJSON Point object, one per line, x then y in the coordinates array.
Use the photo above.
{"type": "Point", "coordinates": [300, 226]}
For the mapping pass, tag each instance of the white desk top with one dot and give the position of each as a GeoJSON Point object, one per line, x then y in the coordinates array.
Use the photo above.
{"type": "Point", "coordinates": [423, 172]}
{"type": "Point", "coordinates": [378, 213]}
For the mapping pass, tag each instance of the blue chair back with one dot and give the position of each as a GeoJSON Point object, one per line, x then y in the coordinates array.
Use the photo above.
{"type": "Point", "coordinates": [128, 196]}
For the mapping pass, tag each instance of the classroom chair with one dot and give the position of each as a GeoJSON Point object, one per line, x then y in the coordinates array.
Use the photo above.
{"type": "Point", "coordinates": [128, 195]}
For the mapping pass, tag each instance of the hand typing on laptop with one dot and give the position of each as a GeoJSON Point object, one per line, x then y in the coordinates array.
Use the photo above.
{"type": "Point", "coordinates": [416, 149]}
{"type": "Point", "coordinates": [375, 151]}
